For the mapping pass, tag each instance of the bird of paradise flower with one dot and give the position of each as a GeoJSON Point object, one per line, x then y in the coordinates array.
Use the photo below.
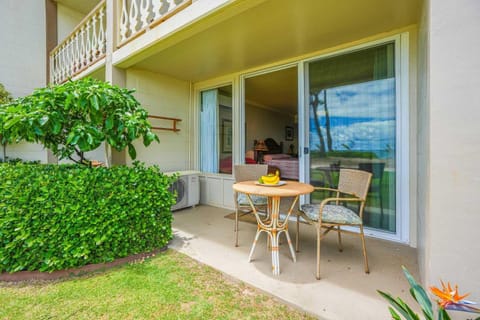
{"type": "Point", "coordinates": [449, 299]}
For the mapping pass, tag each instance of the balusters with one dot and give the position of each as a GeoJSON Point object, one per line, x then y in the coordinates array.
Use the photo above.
{"type": "Point", "coordinates": [101, 33]}
{"type": "Point", "coordinates": [87, 43]}
{"type": "Point", "coordinates": [146, 11]}
{"type": "Point", "coordinates": [95, 51]}
{"type": "Point", "coordinates": [139, 15]}
{"type": "Point", "coordinates": [133, 17]}
{"type": "Point", "coordinates": [124, 22]}
{"type": "Point", "coordinates": [85, 46]}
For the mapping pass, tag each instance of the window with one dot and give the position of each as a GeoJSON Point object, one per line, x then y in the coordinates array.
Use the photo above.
{"type": "Point", "coordinates": [216, 139]}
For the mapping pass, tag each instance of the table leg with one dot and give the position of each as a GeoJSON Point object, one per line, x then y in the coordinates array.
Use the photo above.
{"type": "Point", "coordinates": [254, 244]}
{"type": "Point", "coordinates": [273, 229]}
{"type": "Point", "coordinates": [292, 251]}
{"type": "Point", "coordinates": [275, 255]}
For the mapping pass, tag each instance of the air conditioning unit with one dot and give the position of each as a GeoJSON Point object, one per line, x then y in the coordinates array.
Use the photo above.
{"type": "Point", "coordinates": [187, 188]}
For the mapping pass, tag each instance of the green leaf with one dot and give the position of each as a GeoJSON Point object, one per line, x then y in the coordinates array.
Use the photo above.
{"type": "Point", "coordinates": [10, 123]}
{"type": "Point", "coordinates": [421, 297]}
{"type": "Point", "coordinates": [400, 306]}
{"type": "Point", "coordinates": [394, 314]}
{"type": "Point", "coordinates": [148, 138]}
{"type": "Point", "coordinates": [57, 126]}
{"type": "Point", "coordinates": [442, 314]}
{"type": "Point", "coordinates": [419, 294]}
{"type": "Point", "coordinates": [109, 123]}
{"type": "Point", "coordinates": [94, 102]}
{"type": "Point", "coordinates": [43, 120]}
{"type": "Point", "coordinates": [132, 152]}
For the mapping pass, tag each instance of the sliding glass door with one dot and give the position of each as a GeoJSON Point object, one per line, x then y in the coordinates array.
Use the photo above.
{"type": "Point", "coordinates": [352, 124]}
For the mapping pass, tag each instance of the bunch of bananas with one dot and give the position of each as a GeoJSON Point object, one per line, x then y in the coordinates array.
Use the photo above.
{"type": "Point", "coordinates": [270, 178]}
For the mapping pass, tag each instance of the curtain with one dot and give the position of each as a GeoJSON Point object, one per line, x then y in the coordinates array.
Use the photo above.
{"type": "Point", "coordinates": [209, 142]}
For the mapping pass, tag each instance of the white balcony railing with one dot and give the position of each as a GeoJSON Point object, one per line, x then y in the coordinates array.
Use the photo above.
{"type": "Point", "coordinates": [82, 48]}
{"type": "Point", "coordinates": [137, 16]}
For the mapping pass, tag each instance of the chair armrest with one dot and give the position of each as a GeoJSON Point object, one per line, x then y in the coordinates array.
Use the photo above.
{"type": "Point", "coordinates": [327, 200]}
{"type": "Point", "coordinates": [325, 189]}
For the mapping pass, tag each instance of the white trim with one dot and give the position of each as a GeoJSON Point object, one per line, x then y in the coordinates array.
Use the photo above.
{"type": "Point", "coordinates": [242, 101]}
{"type": "Point", "coordinates": [196, 111]}
{"type": "Point", "coordinates": [303, 137]}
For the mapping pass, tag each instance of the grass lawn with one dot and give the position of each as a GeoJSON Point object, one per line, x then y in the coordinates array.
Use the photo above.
{"type": "Point", "coordinates": [168, 286]}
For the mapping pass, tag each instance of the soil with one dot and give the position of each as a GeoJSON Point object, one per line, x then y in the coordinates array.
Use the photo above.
{"type": "Point", "coordinates": [54, 275]}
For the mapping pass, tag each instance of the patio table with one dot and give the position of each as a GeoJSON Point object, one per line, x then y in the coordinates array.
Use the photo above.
{"type": "Point", "coordinates": [274, 224]}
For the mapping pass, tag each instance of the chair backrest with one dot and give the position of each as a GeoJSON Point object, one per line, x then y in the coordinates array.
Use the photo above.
{"type": "Point", "coordinates": [245, 172]}
{"type": "Point", "coordinates": [376, 168]}
{"type": "Point", "coordinates": [356, 182]}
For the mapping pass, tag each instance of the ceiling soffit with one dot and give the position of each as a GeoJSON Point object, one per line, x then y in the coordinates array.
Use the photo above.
{"type": "Point", "coordinates": [276, 30]}
{"type": "Point", "coordinates": [82, 6]}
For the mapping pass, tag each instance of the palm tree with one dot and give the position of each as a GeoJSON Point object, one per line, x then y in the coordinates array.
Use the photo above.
{"type": "Point", "coordinates": [327, 121]}
{"type": "Point", "coordinates": [314, 102]}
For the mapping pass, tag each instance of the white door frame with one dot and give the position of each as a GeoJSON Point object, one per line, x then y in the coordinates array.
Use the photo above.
{"type": "Point", "coordinates": [402, 126]}
{"type": "Point", "coordinates": [402, 131]}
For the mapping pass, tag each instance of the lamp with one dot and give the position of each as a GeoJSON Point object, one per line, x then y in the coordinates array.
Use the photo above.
{"type": "Point", "coordinates": [260, 147]}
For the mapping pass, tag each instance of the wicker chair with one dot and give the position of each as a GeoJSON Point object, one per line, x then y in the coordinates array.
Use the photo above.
{"type": "Point", "coordinates": [353, 187]}
{"type": "Point", "coordinates": [376, 169]}
{"type": "Point", "coordinates": [246, 172]}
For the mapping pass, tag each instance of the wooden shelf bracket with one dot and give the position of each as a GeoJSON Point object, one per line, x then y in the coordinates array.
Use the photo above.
{"type": "Point", "coordinates": [173, 121]}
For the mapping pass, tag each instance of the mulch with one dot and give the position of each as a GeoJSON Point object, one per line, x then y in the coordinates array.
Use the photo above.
{"type": "Point", "coordinates": [55, 275]}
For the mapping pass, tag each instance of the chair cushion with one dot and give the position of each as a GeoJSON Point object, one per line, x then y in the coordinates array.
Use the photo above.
{"type": "Point", "coordinates": [332, 214]}
{"type": "Point", "coordinates": [257, 200]}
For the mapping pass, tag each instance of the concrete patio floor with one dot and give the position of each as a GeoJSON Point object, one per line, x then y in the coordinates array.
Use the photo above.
{"type": "Point", "coordinates": [344, 292]}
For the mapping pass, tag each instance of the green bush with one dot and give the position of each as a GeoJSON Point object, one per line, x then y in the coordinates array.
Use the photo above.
{"type": "Point", "coordinates": [55, 217]}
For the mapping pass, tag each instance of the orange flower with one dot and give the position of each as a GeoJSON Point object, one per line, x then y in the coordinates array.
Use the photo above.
{"type": "Point", "coordinates": [450, 299]}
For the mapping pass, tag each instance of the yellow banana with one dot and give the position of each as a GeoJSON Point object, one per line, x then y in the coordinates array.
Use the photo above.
{"type": "Point", "coordinates": [271, 179]}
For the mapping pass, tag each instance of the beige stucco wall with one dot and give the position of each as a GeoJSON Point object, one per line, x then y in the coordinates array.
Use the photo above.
{"type": "Point", "coordinates": [423, 137]}
{"type": "Point", "coordinates": [22, 53]}
{"type": "Point", "coordinates": [67, 20]}
{"type": "Point", "coordinates": [452, 216]}
{"type": "Point", "coordinates": [23, 59]}
{"type": "Point", "coordinates": [164, 96]}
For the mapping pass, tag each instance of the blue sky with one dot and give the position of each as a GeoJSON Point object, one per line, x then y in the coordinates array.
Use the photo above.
{"type": "Point", "coordinates": [362, 116]}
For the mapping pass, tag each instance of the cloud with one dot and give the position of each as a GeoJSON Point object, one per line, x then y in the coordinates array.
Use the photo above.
{"type": "Point", "coordinates": [363, 100]}
{"type": "Point", "coordinates": [361, 136]}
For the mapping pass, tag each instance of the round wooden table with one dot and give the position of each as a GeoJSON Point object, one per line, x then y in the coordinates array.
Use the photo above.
{"type": "Point", "coordinates": [273, 225]}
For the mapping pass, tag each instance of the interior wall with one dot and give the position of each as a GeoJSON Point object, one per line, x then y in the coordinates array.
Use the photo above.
{"type": "Point", "coordinates": [23, 59]}
{"type": "Point", "coordinates": [264, 123]}
{"type": "Point", "coordinates": [67, 20]}
{"type": "Point", "coordinates": [453, 217]}
{"type": "Point", "coordinates": [163, 96]}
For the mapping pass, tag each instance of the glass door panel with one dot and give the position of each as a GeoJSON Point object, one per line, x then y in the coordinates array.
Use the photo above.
{"type": "Point", "coordinates": [352, 124]}
{"type": "Point", "coordinates": [216, 138]}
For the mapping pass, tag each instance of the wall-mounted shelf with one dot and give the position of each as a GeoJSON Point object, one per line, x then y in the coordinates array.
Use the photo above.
{"type": "Point", "coordinates": [173, 121]}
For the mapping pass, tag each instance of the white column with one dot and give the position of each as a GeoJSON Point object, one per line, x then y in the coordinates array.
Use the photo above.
{"type": "Point", "coordinates": [113, 74]}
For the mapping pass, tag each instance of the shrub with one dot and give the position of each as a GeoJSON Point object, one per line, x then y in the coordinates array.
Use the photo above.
{"type": "Point", "coordinates": [55, 217]}
{"type": "Point", "coordinates": [75, 117]}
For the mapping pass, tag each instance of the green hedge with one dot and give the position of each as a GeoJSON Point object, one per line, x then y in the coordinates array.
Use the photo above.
{"type": "Point", "coordinates": [54, 217]}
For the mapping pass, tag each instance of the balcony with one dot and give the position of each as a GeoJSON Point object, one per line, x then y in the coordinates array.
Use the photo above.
{"type": "Point", "coordinates": [139, 16]}
{"type": "Point", "coordinates": [86, 45]}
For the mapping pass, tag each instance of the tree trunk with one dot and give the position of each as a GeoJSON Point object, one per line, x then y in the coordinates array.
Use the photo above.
{"type": "Point", "coordinates": [327, 121]}
{"type": "Point", "coordinates": [315, 104]}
